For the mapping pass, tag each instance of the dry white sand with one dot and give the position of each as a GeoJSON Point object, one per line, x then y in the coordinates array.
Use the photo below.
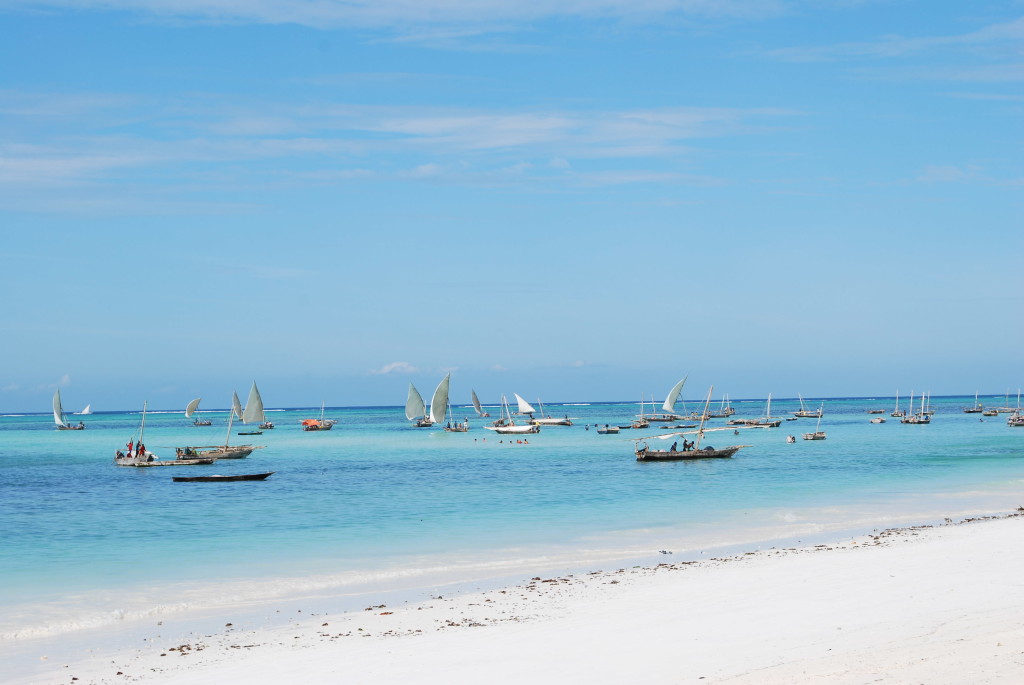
{"type": "Point", "coordinates": [931, 605]}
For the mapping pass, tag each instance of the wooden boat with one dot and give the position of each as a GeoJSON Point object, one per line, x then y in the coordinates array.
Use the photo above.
{"type": "Point", "coordinates": [976, 408]}
{"type": "Point", "coordinates": [320, 424]}
{"type": "Point", "coordinates": [767, 421]}
{"type": "Point", "coordinates": [253, 412]}
{"type": "Point", "coordinates": [878, 419]}
{"type": "Point", "coordinates": [645, 453]}
{"type": "Point", "coordinates": [990, 412]}
{"type": "Point", "coordinates": [668, 406]}
{"type": "Point", "coordinates": [60, 418]}
{"type": "Point", "coordinates": [143, 458]}
{"type": "Point", "coordinates": [216, 478]}
{"type": "Point", "coordinates": [476, 406]}
{"type": "Point", "coordinates": [921, 417]}
{"type": "Point", "coordinates": [876, 411]}
{"type": "Point", "coordinates": [898, 413]}
{"type": "Point", "coordinates": [805, 413]}
{"type": "Point", "coordinates": [818, 434]}
{"type": "Point", "coordinates": [225, 451]}
{"type": "Point", "coordinates": [191, 408]}
{"type": "Point", "coordinates": [508, 425]}
{"type": "Point", "coordinates": [546, 419]}
{"type": "Point", "coordinates": [249, 433]}
{"type": "Point", "coordinates": [608, 430]}
{"type": "Point", "coordinates": [416, 409]}
{"type": "Point", "coordinates": [1015, 420]}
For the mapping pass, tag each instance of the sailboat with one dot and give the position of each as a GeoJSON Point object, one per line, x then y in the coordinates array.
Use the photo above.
{"type": "Point", "coordinates": [920, 417]}
{"type": "Point", "coordinates": [86, 411]}
{"type": "Point", "coordinates": [976, 408]}
{"type": "Point", "coordinates": [508, 425]}
{"type": "Point", "coordinates": [725, 409]}
{"type": "Point", "coordinates": [768, 421]}
{"type": "Point", "coordinates": [669, 405]}
{"type": "Point", "coordinates": [60, 418]}
{"type": "Point", "coordinates": [253, 412]}
{"type": "Point", "coordinates": [818, 434]}
{"type": "Point", "coordinates": [546, 419]}
{"type": "Point", "coordinates": [476, 406]}
{"type": "Point", "coordinates": [416, 409]}
{"type": "Point", "coordinates": [805, 413]}
{"type": "Point", "coordinates": [690, 450]}
{"type": "Point", "coordinates": [137, 455]}
{"type": "Point", "coordinates": [225, 451]}
{"type": "Point", "coordinates": [320, 424]}
{"type": "Point", "coordinates": [898, 413]}
{"type": "Point", "coordinates": [191, 408]}
{"type": "Point", "coordinates": [641, 420]}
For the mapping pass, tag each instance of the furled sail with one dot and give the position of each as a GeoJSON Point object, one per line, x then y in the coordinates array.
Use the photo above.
{"type": "Point", "coordinates": [524, 406]}
{"type": "Point", "coordinates": [58, 411]}
{"type": "Point", "coordinates": [673, 395]}
{"type": "Point", "coordinates": [414, 407]}
{"type": "Point", "coordinates": [439, 402]}
{"type": "Point", "coordinates": [236, 406]}
{"type": "Point", "coordinates": [253, 407]}
{"type": "Point", "coordinates": [476, 403]}
{"type": "Point", "coordinates": [191, 407]}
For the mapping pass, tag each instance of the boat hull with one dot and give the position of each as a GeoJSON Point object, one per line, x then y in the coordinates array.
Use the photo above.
{"type": "Point", "coordinates": [222, 479]}
{"type": "Point", "coordinates": [513, 430]}
{"type": "Point", "coordinates": [647, 454]}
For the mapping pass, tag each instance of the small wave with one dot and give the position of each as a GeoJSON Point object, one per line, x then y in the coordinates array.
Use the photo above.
{"type": "Point", "coordinates": [576, 404]}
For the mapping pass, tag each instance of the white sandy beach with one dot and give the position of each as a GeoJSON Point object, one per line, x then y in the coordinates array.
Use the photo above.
{"type": "Point", "coordinates": [938, 604]}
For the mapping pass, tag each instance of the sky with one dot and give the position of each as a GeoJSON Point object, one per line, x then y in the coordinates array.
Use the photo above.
{"type": "Point", "coordinates": [586, 201]}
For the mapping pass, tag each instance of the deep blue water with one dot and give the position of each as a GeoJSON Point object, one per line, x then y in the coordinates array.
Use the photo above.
{"type": "Point", "coordinates": [375, 499]}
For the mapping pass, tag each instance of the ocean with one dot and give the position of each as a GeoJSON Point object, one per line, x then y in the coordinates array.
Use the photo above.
{"type": "Point", "coordinates": [378, 506]}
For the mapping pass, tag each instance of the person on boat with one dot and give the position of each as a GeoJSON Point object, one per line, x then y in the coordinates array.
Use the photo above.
{"type": "Point", "coordinates": [674, 444]}
{"type": "Point", "coordinates": [131, 443]}
{"type": "Point", "coordinates": [140, 450]}
{"type": "Point", "coordinates": [119, 455]}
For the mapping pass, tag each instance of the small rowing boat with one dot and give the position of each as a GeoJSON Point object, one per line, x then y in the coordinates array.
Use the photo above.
{"type": "Point", "coordinates": [216, 478]}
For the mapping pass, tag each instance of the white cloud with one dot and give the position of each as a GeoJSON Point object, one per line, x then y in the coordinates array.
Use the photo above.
{"type": "Point", "coordinates": [64, 381]}
{"type": "Point", "coordinates": [394, 367]}
{"type": "Point", "coordinates": [11, 387]}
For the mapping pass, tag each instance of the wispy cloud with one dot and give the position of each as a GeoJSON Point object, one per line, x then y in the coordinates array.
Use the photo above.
{"type": "Point", "coordinates": [394, 368]}
{"type": "Point", "coordinates": [450, 18]}
{"type": "Point", "coordinates": [11, 387]}
{"type": "Point", "coordinates": [1010, 34]}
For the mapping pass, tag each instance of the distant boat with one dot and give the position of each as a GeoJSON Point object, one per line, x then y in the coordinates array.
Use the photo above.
{"type": "Point", "coordinates": [805, 413]}
{"type": "Point", "coordinates": [476, 405]}
{"type": "Point", "coordinates": [693, 451]}
{"type": "Point", "coordinates": [921, 417]}
{"type": "Point", "coordinates": [225, 451]}
{"type": "Point", "coordinates": [86, 411]}
{"type": "Point", "coordinates": [253, 412]}
{"type": "Point", "coordinates": [191, 408]}
{"type": "Point", "coordinates": [320, 424]}
{"type": "Point", "coordinates": [608, 430]}
{"type": "Point", "coordinates": [898, 413]}
{"type": "Point", "coordinates": [416, 409]}
{"type": "Point", "coordinates": [876, 411]}
{"type": "Point", "coordinates": [725, 410]}
{"type": "Point", "coordinates": [976, 408]}
{"type": "Point", "coordinates": [215, 478]}
{"type": "Point", "coordinates": [60, 418]}
{"type": "Point", "coordinates": [508, 425]}
{"type": "Point", "coordinates": [818, 434]}
{"type": "Point", "coordinates": [878, 419]}
{"type": "Point", "coordinates": [546, 419]}
{"type": "Point", "coordinates": [767, 421]}
{"type": "Point", "coordinates": [137, 455]}
{"type": "Point", "coordinates": [668, 406]}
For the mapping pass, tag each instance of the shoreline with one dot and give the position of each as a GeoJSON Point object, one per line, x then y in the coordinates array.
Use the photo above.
{"type": "Point", "coordinates": [601, 604]}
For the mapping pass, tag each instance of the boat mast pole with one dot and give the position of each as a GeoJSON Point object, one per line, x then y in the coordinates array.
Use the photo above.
{"type": "Point", "coordinates": [231, 417]}
{"type": "Point", "coordinates": [703, 416]}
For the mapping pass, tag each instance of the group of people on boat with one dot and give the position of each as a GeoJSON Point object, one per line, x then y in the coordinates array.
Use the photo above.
{"type": "Point", "coordinates": [687, 445]}
{"type": "Point", "coordinates": [186, 453]}
{"type": "Point", "coordinates": [140, 452]}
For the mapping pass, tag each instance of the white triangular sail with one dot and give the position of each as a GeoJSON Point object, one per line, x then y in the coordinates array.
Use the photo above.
{"type": "Point", "coordinates": [58, 411]}
{"type": "Point", "coordinates": [439, 402]}
{"type": "Point", "coordinates": [524, 406]}
{"type": "Point", "coordinates": [673, 395]}
{"type": "Point", "coordinates": [476, 403]}
{"type": "Point", "coordinates": [414, 406]}
{"type": "Point", "coordinates": [253, 407]}
{"type": "Point", "coordinates": [236, 407]}
{"type": "Point", "coordinates": [191, 407]}
{"type": "Point", "coordinates": [87, 410]}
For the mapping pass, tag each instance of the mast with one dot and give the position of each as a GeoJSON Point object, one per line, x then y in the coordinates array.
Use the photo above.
{"type": "Point", "coordinates": [231, 417]}
{"type": "Point", "coordinates": [703, 417]}
{"type": "Point", "coordinates": [142, 427]}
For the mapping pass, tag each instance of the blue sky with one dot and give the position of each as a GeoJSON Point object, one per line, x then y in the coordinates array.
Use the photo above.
{"type": "Point", "coordinates": [337, 198]}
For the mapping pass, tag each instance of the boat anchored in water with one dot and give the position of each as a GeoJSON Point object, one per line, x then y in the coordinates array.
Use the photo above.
{"type": "Point", "coordinates": [138, 456]}
{"type": "Point", "coordinates": [691, 450]}
{"type": "Point", "coordinates": [507, 423]}
{"type": "Point", "coordinates": [320, 424]}
{"type": "Point", "coordinates": [191, 409]}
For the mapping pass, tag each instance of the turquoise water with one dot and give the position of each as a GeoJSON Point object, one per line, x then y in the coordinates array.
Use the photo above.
{"type": "Point", "coordinates": [377, 504]}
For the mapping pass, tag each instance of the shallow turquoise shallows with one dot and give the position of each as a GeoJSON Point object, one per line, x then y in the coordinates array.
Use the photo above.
{"type": "Point", "coordinates": [377, 503]}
